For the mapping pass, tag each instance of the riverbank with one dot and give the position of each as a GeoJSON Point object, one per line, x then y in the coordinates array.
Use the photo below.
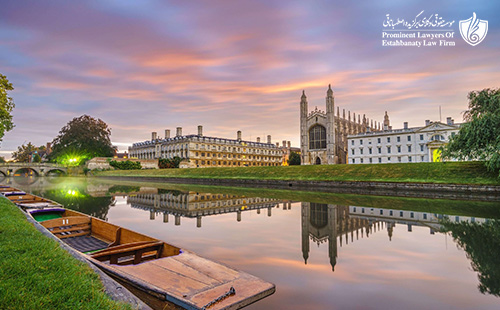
{"type": "Point", "coordinates": [36, 273]}
{"type": "Point", "coordinates": [466, 173]}
{"type": "Point", "coordinates": [464, 180]}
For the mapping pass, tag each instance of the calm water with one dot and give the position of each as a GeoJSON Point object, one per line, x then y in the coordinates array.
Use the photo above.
{"type": "Point", "coordinates": [323, 251]}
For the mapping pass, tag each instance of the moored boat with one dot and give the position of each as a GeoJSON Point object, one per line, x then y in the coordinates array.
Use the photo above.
{"type": "Point", "coordinates": [161, 274]}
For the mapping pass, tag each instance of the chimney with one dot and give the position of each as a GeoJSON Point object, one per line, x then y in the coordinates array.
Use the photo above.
{"type": "Point", "coordinates": [277, 144]}
{"type": "Point", "coordinates": [179, 132]}
{"type": "Point", "coordinates": [238, 135]}
{"type": "Point", "coordinates": [450, 121]}
{"type": "Point", "coordinates": [200, 130]}
{"type": "Point", "coordinates": [427, 122]}
{"type": "Point", "coordinates": [289, 144]}
{"type": "Point", "coordinates": [405, 125]}
{"type": "Point", "coordinates": [167, 133]}
{"type": "Point", "coordinates": [154, 136]}
{"type": "Point", "coordinates": [284, 143]}
{"type": "Point", "coordinates": [258, 139]}
{"type": "Point", "coordinates": [269, 139]}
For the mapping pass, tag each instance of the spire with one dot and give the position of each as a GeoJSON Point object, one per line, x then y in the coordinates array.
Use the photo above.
{"type": "Point", "coordinates": [303, 94]}
{"type": "Point", "coordinates": [329, 92]}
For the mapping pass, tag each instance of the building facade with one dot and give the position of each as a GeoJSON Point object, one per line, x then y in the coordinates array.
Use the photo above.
{"type": "Point", "coordinates": [323, 135]}
{"type": "Point", "coordinates": [406, 145]}
{"type": "Point", "coordinates": [200, 151]}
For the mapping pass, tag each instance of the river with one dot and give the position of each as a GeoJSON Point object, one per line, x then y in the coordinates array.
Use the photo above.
{"type": "Point", "coordinates": [322, 251]}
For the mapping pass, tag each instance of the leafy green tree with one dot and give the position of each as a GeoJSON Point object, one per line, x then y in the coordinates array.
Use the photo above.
{"type": "Point", "coordinates": [125, 165]}
{"type": "Point", "coordinates": [24, 153]}
{"type": "Point", "coordinates": [479, 137]}
{"type": "Point", "coordinates": [481, 243]}
{"type": "Point", "coordinates": [37, 158]}
{"type": "Point", "coordinates": [294, 159]}
{"type": "Point", "coordinates": [165, 163]}
{"type": "Point", "coordinates": [6, 106]}
{"type": "Point", "coordinates": [82, 138]}
{"type": "Point", "coordinates": [2, 160]}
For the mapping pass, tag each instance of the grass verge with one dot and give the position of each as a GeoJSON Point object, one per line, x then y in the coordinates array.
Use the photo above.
{"type": "Point", "coordinates": [444, 173]}
{"type": "Point", "coordinates": [36, 273]}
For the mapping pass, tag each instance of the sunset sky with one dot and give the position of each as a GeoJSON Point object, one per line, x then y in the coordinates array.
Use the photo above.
{"type": "Point", "coordinates": [230, 65]}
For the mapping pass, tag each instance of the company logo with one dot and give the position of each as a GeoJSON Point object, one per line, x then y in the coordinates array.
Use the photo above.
{"type": "Point", "coordinates": [473, 30]}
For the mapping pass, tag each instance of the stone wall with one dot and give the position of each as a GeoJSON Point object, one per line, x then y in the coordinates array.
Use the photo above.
{"type": "Point", "coordinates": [103, 163]}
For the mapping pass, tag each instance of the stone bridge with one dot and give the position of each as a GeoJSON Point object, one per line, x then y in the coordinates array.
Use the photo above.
{"type": "Point", "coordinates": [39, 169]}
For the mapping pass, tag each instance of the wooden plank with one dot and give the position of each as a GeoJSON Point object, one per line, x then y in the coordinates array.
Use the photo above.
{"type": "Point", "coordinates": [210, 268]}
{"type": "Point", "coordinates": [167, 280]}
{"type": "Point", "coordinates": [70, 229]}
{"type": "Point", "coordinates": [66, 221]}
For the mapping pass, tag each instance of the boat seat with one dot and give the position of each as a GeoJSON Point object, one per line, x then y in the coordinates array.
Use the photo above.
{"type": "Point", "coordinates": [66, 227]}
{"type": "Point", "coordinates": [134, 253]}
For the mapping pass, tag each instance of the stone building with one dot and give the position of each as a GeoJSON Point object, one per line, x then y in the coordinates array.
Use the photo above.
{"type": "Point", "coordinates": [323, 135]}
{"type": "Point", "coordinates": [201, 151]}
{"type": "Point", "coordinates": [406, 145]}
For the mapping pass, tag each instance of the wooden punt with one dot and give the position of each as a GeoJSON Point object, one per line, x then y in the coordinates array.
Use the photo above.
{"type": "Point", "coordinates": [27, 201]}
{"type": "Point", "coordinates": [162, 275]}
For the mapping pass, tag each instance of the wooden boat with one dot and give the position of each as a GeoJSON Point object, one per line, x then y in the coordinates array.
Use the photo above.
{"type": "Point", "coordinates": [162, 275]}
{"type": "Point", "coordinates": [27, 201]}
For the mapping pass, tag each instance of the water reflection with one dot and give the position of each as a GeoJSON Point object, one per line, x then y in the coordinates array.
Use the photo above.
{"type": "Point", "coordinates": [320, 254]}
{"type": "Point", "coordinates": [197, 205]}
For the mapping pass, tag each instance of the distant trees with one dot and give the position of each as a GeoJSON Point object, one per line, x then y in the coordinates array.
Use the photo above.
{"type": "Point", "coordinates": [6, 106]}
{"type": "Point", "coordinates": [479, 137]}
{"type": "Point", "coordinates": [27, 153]}
{"type": "Point", "coordinates": [164, 163]}
{"type": "Point", "coordinates": [125, 165]}
{"type": "Point", "coordinates": [82, 138]}
{"type": "Point", "coordinates": [294, 159]}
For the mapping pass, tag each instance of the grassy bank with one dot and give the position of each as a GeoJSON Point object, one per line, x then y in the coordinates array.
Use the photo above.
{"type": "Point", "coordinates": [35, 273]}
{"type": "Point", "coordinates": [450, 172]}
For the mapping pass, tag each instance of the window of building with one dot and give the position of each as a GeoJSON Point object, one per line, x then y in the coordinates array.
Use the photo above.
{"type": "Point", "coordinates": [360, 141]}
{"type": "Point", "coordinates": [401, 213]}
{"type": "Point", "coordinates": [352, 151]}
{"type": "Point", "coordinates": [381, 212]}
{"type": "Point", "coordinates": [409, 138]}
{"type": "Point", "coordinates": [421, 137]}
{"type": "Point", "coordinates": [388, 139]}
{"type": "Point", "coordinates": [409, 159]}
{"type": "Point", "coordinates": [379, 160]}
{"type": "Point", "coordinates": [390, 213]}
{"type": "Point", "coordinates": [425, 216]}
{"type": "Point", "coordinates": [409, 148]}
{"type": "Point", "coordinates": [412, 215]}
{"type": "Point", "coordinates": [379, 150]}
{"type": "Point", "coordinates": [317, 137]}
{"type": "Point", "coordinates": [399, 149]}
{"type": "Point", "coordinates": [388, 159]}
{"type": "Point", "coordinates": [352, 142]}
{"type": "Point", "coordinates": [370, 160]}
{"type": "Point", "coordinates": [399, 159]}
{"type": "Point", "coordinates": [353, 161]}
{"type": "Point", "coordinates": [361, 160]}
{"type": "Point", "coordinates": [388, 150]}
{"type": "Point", "coordinates": [361, 151]}
{"type": "Point", "coordinates": [422, 158]}
{"type": "Point", "coordinates": [370, 150]}
{"type": "Point", "coordinates": [398, 139]}
{"type": "Point", "coordinates": [421, 147]}
{"type": "Point", "coordinates": [378, 140]}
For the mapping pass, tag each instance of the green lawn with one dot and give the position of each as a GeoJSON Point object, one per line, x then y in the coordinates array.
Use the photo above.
{"type": "Point", "coordinates": [448, 172]}
{"type": "Point", "coordinates": [36, 273]}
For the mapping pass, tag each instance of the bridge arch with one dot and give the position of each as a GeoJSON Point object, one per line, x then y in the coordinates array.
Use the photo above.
{"type": "Point", "coordinates": [59, 170]}
{"type": "Point", "coordinates": [35, 171]}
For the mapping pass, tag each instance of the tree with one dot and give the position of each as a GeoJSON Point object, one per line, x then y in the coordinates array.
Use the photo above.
{"type": "Point", "coordinates": [6, 106]}
{"type": "Point", "coordinates": [294, 159]}
{"type": "Point", "coordinates": [165, 163]}
{"type": "Point", "coordinates": [479, 137]}
{"type": "Point", "coordinates": [82, 138]}
{"type": "Point", "coordinates": [25, 153]}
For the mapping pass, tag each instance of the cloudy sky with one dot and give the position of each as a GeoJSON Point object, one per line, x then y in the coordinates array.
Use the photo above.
{"type": "Point", "coordinates": [230, 65]}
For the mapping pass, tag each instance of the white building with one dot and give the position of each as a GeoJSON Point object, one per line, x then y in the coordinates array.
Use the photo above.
{"type": "Point", "coordinates": [407, 145]}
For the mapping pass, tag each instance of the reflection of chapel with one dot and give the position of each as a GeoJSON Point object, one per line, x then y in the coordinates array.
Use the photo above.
{"type": "Point", "coordinates": [325, 223]}
{"type": "Point", "coordinates": [323, 135]}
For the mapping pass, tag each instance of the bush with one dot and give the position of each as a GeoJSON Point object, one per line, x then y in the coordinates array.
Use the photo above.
{"type": "Point", "coordinates": [165, 163]}
{"type": "Point", "coordinates": [125, 165]}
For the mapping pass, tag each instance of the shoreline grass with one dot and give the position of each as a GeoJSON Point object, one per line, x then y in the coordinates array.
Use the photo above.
{"type": "Point", "coordinates": [441, 173]}
{"type": "Point", "coordinates": [36, 273]}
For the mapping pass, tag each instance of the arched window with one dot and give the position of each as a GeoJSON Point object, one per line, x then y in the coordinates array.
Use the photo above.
{"type": "Point", "coordinates": [317, 137]}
